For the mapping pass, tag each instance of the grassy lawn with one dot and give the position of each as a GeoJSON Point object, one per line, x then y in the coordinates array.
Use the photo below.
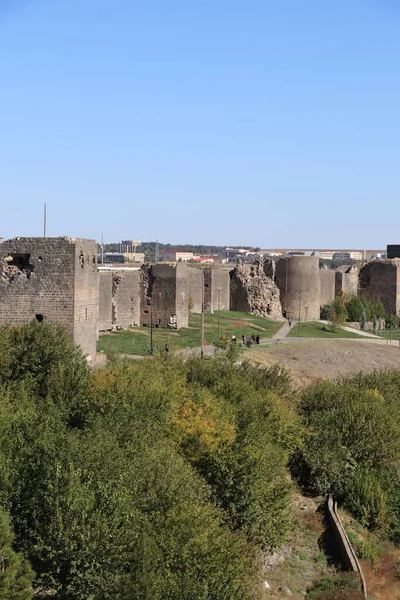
{"type": "Point", "coordinates": [137, 340]}
{"type": "Point", "coordinates": [388, 334]}
{"type": "Point", "coordinates": [318, 330]}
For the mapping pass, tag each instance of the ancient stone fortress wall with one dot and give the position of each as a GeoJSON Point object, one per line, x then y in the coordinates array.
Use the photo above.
{"type": "Point", "coordinates": [216, 283]}
{"type": "Point", "coordinates": [164, 295]}
{"type": "Point", "coordinates": [86, 296]}
{"type": "Point", "coordinates": [298, 280]}
{"type": "Point", "coordinates": [346, 280]}
{"type": "Point", "coordinates": [327, 286]}
{"type": "Point", "coordinates": [220, 289]}
{"type": "Point", "coordinates": [252, 290]}
{"type": "Point", "coordinates": [380, 280]}
{"type": "Point", "coordinates": [125, 298]}
{"type": "Point", "coordinates": [195, 284]}
{"type": "Point", "coordinates": [53, 279]}
{"type": "Point", "coordinates": [105, 300]}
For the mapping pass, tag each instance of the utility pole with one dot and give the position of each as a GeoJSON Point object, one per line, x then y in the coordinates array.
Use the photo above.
{"type": "Point", "coordinates": [102, 249]}
{"type": "Point", "coordinates": [298, 324]}
{"type": "Point", "coordinates": [151, 328]}
{"type": "Point", "coordinates": [44, 219]}
{"type": "Point", "coordinates": [202, 317]}
{"type": "Point", "coordinates": [218, 292]}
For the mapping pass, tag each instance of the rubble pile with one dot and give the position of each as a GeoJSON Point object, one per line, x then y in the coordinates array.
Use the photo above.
{"type": "Point", "coordinates": [253, 289]}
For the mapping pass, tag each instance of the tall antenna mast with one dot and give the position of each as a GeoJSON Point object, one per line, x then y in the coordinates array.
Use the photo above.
{"type": "Point", "coordinates": [102, 249]}
{"type": "Point", "coordinates": [44, 220]}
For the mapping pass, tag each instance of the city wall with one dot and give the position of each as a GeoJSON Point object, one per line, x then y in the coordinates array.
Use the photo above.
{"type": "Point", "coordinates": [346, 280]}
{"type": "Point", "coordinates": [53, 279]}
{"type": "Point", "coordinates": [298, 280]}
{"type": "Point", "coordinates": [380, 280]}
{"type": "Point", "coordinates": [164, 295]}
{"type": "Point", "coordinates": [57, 279]}
{"type": "Point", "coordinates": [327, 286]}
{"type": "Point", "coordinates": [125, 303]}
{"type": "Point", "coordinates": [105, 316]}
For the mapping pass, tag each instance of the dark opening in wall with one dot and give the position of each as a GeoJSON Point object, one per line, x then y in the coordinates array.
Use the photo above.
{"type": "Point", "coordinates": [21, 261]}
{"type": "Point", "coordinates": [39, 318]}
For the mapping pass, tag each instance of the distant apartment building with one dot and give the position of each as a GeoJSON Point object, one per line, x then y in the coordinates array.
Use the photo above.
{"type": "Point", "coordinates": [171, 255]}
{"type": "Point", "coordinates": [232, 253]}
{"type": "Point", "coordinates": [134, 257]}
{"type": "Point", "coordinates": [203, 259]}
{"type": "Point", "coordinates": [269, 253]}
{"type": "Point", "coordinates": [299, 253]}
{"type": "Point", "coordinates": [324, 254]}
{"type": "Point", "coordinates": [351, 255]}
{"type": "Point", "coordinates": [111, 257]}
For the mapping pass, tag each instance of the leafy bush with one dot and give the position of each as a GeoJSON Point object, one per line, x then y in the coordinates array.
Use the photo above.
{"type": "Point", "coordinates": [346, 587]}
{"type": "Point", "coordinates": [352, 446]}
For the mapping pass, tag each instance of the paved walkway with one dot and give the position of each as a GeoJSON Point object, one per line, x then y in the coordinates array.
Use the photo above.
{"type": "Point", "coordinates": [354, 330]}
{"type": "Point", "coordinates": [282, 333]}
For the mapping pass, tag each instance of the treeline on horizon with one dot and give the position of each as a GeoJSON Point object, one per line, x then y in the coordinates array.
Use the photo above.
{"type": "Point", "coordinates": [168, 479]}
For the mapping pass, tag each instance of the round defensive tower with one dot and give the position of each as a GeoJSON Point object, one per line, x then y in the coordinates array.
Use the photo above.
{"type": "Point", "coordinates": [298, 280]}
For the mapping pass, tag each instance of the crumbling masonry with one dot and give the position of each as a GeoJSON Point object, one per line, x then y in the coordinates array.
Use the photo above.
{"type": "Point", "coordinates": [57, 279]}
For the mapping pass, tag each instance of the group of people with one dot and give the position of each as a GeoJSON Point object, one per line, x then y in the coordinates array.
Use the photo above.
{"type": "Point", "coordinates": [255, 339]}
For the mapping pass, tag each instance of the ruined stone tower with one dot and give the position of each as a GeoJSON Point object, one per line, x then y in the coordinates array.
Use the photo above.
{"type": "Point", "coordinates": [53, 279]}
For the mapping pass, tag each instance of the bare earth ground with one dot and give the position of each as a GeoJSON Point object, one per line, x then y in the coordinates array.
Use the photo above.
{"type": "Point", "coordinates": [316, 360]}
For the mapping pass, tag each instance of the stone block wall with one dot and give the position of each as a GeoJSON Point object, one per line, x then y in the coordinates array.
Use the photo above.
{"type": "Point", "coordinates": [327, 286]}
{"type": "Point", "coordinates": [195, 283]}
{"type": "Point", "coordinates": [86, 296]}
{"type": "Point", "coordinates": [53, 279]}
{"type": "Point", "coordinates": [105, 301]}
{"type": "Point", "coordinates": [298, 280]}
{"type": "Point", "coordinates": [164, 295]}
{"type": "Point", "coordinates": [346, 280]}
{"type": "Point", "coordinates": [125, 298]}
{"type": "Point", "coordinates": [380, 280]}
{"type": "Point", "coordinates": [220, 289]}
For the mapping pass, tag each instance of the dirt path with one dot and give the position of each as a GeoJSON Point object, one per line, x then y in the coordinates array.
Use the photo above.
{"type": "Point", "coordinates": [317, 360]}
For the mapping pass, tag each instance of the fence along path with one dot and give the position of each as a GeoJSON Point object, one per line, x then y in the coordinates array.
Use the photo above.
{"type": "Point", "coordinates": [346, 548]}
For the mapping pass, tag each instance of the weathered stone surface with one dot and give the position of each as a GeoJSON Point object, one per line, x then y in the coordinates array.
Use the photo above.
{"type": "Point", "coordinates": [54, 279]}
{"type": "Point", "coordinates": [380, 280]}
{"type": "Point", "coordinates": [253, 289]}
{"type": "Point", "coordinates": [346, 280]}
{"type": "Point", "coordinates": [164, 295]}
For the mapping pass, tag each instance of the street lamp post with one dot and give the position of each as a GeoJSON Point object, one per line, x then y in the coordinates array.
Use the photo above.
{"type": "Point", "coordinates": [202, 318]}
{"type": "Point", "coordinates": [218, 292]}
{"type": "Point", "coordinates": [298, 324]}
{"type": "Point", "coordinates": [151, 329]}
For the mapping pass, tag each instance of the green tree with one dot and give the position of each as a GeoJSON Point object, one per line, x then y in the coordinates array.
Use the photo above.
{"type": "Point", "coordinates": [16, 574]}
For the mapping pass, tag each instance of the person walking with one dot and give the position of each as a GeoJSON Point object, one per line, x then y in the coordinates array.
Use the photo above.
{"type": "Point", "coordinates": [257, 339]}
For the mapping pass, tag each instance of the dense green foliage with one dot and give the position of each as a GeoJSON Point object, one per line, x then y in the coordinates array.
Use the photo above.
{"type": "Point", "coordinates": [161, 479]}
{"type": "Point", "coordinates": [348, 307]}
{"type": "Point", "coordinates": [165, 479]}
{"type": "Point", "coordinates": [353, 446]}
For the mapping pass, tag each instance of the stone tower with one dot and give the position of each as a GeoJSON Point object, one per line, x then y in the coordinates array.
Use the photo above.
{"type": "Point", "coordinates": [54, 279]}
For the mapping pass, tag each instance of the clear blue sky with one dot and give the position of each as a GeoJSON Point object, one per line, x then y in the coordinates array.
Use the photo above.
{"type": "Point", "coordinates": [259, 122]}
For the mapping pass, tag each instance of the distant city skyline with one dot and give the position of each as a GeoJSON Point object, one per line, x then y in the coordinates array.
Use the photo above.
{"type": "Point", "coordinates": [262, 123]}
